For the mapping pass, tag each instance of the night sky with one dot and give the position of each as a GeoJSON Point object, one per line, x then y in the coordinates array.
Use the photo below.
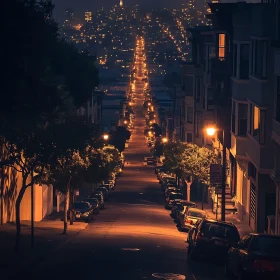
{"type": "Point", "coordinates": [79, 6]}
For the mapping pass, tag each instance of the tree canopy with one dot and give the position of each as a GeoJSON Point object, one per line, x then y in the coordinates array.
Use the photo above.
{"type": "Point", "coordinates": [186, 159]}
{"type": "Point", "coordinates": [44, 78]}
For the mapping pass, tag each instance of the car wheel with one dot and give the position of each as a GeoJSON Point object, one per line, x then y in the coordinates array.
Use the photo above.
{"type": "Point", "coordinates": [227, 271]}
{"type": "Point", "coordinates": [242, 275]}
{"type": "Point", "coordinates": [193, 255]}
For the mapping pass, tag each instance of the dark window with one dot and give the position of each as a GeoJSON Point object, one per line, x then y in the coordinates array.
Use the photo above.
{"type": "Point", "coordinates": [189, 137]}
{"type": "Point", "coordinates": [262, 128]}
{"type": "Point", "coordinates": [244, 61]}
{"type": "Point", "coordinates": [197, 88]}
{"type": "Point", "coordinates": [189, 85]}
{"type": "Point", "coordinates": [233, 117]}
{"type": "Point", "coordinates": [234, 60]}
{"type": "Point", "coordinates": [242, 119]}
{"type": "Point", "coordinates": [197, 121]}
{"type": "Point", "coordinates": [259, 58]}
{"type": "Point", "coordinates": [278, 100]}
{"type": "Point", "coordinates": [189, 114]}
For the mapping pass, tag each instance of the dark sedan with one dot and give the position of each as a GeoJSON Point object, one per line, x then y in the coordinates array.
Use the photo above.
{"type": "Point", "coordinates": [82, 211]}
{"type": "Point", "coordinates": [212, 238]}
{"type": "Point", "coordinates": [170, 199]}
{"type": "Point", "coordinates": [100, 198]}
{"type": "Point", "coordinates": [256, 256]}
{"type": "Point", "coordinates": [104, 191]}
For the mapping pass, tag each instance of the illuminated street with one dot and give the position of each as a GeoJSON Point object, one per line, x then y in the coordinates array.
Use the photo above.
{"type": "Point", "coordinates": [134, 237]}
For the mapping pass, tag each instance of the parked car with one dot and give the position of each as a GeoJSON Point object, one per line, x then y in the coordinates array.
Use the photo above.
{"type": "Point", "coordinates": [169, 200]}
{"type": "Point", "coordinates": [94, 203]}
{"type": "Point", "coordinates": [212, 238]}
{"type": "Point", "coordinates": [170, 189]}
{"type": "Point", "coordinates": [108, 186]}
{"type": "Point", "coordinates": [175, 204]}
{"type": "Point", "coordinates": [104, 191]}
{"type": "Point", "coordinates": [82, 210]}
{"type": "Point", "coordinates": [100, 198]}
{"type": "Point", "coordinates": [159, 169]}
{"type": "Point", "coordinates": [255, 256]}
{"type": "Point", "coordinates": [191, 216]}
{"type": "Point", "coordinates": [180, 208]}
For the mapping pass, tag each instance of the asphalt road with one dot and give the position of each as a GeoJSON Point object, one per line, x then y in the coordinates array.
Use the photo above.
{"type": "Point", "coordinates": [134, 237]}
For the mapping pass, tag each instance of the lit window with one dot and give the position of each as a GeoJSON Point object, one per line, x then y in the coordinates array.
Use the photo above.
{"type": "Point", "coordinates": [256, 120]}
{"type": "Point", "coordinates": [222, 43]}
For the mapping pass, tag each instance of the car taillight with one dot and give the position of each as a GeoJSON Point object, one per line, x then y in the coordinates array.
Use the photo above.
{"type": "Point", "coordinates": [264, 265]}
{"type": "Point", "coordinates": [189, 221]}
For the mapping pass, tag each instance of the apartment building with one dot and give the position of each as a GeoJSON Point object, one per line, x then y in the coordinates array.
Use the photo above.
{"type": "Point", "coordinates": [233, 82]}
{"type": "Point", "coordinates": [206, 82]}
{"type": "Point", "coordinates": [275, 172]}
{"type": "Point", "coordinates": [253, 83]}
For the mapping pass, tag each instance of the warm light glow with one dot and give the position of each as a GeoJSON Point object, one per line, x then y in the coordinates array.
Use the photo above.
{"type": "Point", "coordinates": [150, 132]}
{"type": "Point", "coordinates": [149, 104]}
{"type": "Point", "coordinates": [210, 131]}
{"type": "Point", "coordinates": [164, 140]}
{"type": "Point", "coordinates": [105, 136]}
{"type": "Point", "coordinates": [125, 122]}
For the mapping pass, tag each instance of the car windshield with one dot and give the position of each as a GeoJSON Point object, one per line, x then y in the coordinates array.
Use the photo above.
{"type": "Point", "coordinates": [80, 205]}
{"type": "Point", "coordinates": [196, 214]}
{"type": "Point", "coordinates": [189, 204]}
{"type": "Point", "coordinates": [266, 244]}
{"type": "Point", "coordinates": [220, 230]}
{"type": "Point", "coordinates": [92, 201]}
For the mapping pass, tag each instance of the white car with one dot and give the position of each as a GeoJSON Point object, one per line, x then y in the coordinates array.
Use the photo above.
{"type": "Point", "coordinates": [192, 215]}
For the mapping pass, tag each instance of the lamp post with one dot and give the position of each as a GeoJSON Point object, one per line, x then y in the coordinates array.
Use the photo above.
{"type": "Point", "coordinates": [211, 131]}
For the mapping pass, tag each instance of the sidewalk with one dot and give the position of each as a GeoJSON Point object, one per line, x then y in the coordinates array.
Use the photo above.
{"type": "Point", "coordinates": [48, 238]}
{"type": "Point", "coordinates": [242, 226]}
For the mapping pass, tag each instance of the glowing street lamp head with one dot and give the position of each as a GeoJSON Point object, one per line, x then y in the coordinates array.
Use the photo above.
{"type": "Point", "coordinates": [125, 122]}
{"type": "Point", "coordinates": [164, 140]}
{"type": "Point", "coordinates": [105, 137]}
{"type": "Point", "coordinates": [210, 131]}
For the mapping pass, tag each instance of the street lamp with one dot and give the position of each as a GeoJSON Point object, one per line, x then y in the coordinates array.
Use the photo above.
{"type": "Point", "coordinates": [105, 137]}
{"type": "Point", "coordinates": [164, 140]}
{"type": "Point", "coordinates": [211, 131]}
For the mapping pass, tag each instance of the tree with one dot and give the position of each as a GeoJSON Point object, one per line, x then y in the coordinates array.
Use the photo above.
{"type": "Point", "coordinates": [103, 161]}
{"type": "Point", "coordinates": [174, 157]}
{"type": "Point", "coordinates": [72, 139]}
{"type": "Point", "coordinates": [31, 96]}
{"type": "Point", "coordinates": [156, 129]}
{"type": "Point", "coordinates": [187, 159]}
{"type": "Point", "coordinates": [37, 91]}
{"type": "Point", "coordinates": [197, 162]}
{"type": "Point", "coordinates": [119, 137]}
{"type": "Point", "coordinates": [69, 168]}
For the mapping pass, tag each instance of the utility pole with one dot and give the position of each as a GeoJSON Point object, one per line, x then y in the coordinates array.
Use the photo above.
{"type": "Point", "coordinates": [223, 206]}
{"type": "Point", "coordinates": [32, 216]}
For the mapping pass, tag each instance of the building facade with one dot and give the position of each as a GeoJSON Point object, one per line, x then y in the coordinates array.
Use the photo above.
{"type": "Point", "coordinates": [233, 83]}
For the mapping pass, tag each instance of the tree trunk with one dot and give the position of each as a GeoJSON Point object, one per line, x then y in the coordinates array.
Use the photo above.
{"type": "Point", "coordinates": [65, 211]}
{"type": "Point", "coordinates": [71, 200]}
{"type": "Point", "coordinates": [18, 202]}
